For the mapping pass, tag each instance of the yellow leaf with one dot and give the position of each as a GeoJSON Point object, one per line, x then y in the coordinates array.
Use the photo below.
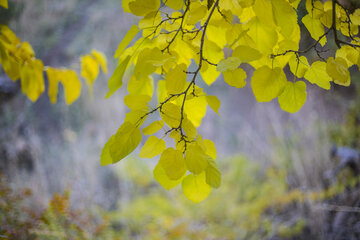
{"type": "Point", "coordinates": [338, 70]}
{"type": "Point", "coordinates": [32, 80]}
{"type": "Point", "coordinates": [172, 161]}
{"type": "Point", "coordinates": [152, 147]}
{"type": "Point", "coordinates": [101, 59]}
{"type": "Point", "coordinates": [136, 102]}
{"type": "Point", "coordinates": [174, 4]}
{"type": "Point", "coordinates": [246, 53]}
{"type": "Point", "coordinates": [299, 66]}
{"type": "Point", "coordinates": [4, 3]}
{"type": "Point", "coordinates": [89, 70]}
{"type": "Point", "coordinates": [214, 103]}
{"type": "Point", "coordinates": [213, 175]}
{"type": "Point", "coordinates": [69, 80]}
{"type": "Point", "coordinates": [285, 17]}
{"type": "Point", "coordinates": [175, 79]}
{"type": "Point", "coordinates": [129, 36]}
{"type": "Point", "coordinates": [72, 86]}
{"type": "Point", "coordinates": [210, 148]}
{"type": "Point", "coordinates": [53, 79]}
{"type": "Point", "coordinates": [115, 81]}
{"type": "Point", "coordinates": [195, 110]}
{"type": "Point", "coordinates": [315, 28]}
{"type": "Point", "coordinates": [208, 73]}
{"type": "Point", "coordinates": [235, 78]}
{"type": "Point", "coordinates": [293, 96]}
{"type": "Point", "coordinates": [153, 127]}
{"type": "Point", "coordinates": [317, 74]}
{"type": "Point", "coordinates": [268, 83]}
{"type": "Point", "coordinates": [355, 17]}
{"type": "Point", "coordinates": [162, 178]}
{"type": "Point", "coordinates": [195, 187]}
{"type": "Point", "coordinates": [350, 54]}
{"type": "Point", "coordinates": [125, 140]}
{"type": "Point", "coordinates": [264, 37]}
{"type": "Point", "coordinates": [195, 158]}
{"type": "Point", "coordinates": [143, 7]}
{"type": "Point", "coordinates": [228, 64]}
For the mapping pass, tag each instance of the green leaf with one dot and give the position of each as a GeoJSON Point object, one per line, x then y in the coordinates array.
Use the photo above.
{"type": "Point", "coordinates": [173, 163]}
{"type": "Point", "coordinates": [125, 140]}
{"type": "Point", "coordinates": [195, 187]}
{"type": "Point", "coordinates": [293, 96]}
{"type": "Point", "coordinates": [152, 147]}
{"type": "Point", "coordinates": [210, 148]}
{"type": "Point", "coordinates": [268, 83]}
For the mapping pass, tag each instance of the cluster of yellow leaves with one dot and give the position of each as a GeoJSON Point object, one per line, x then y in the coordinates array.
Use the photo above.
{"type": "Point", "coordinates": [262, 33]}
{"type": "Point", "coordinates": [19, 62]}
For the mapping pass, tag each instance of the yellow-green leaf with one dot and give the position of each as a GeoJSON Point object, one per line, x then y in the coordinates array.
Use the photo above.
{"type": "Point", "coordinates": [136, 102]}
{"type": "Point", "coordinates": [115, 81]}
{"type": "Point", "coordinates": [189, 128]}
{"type": "Point", "coordinates": [299, 66]}
{"type": "Point", "coordinates": [317, 74]}
{"type": "Point", "coordinates": [228, 64]}
{"type": "Point", "coordinates": [213, 175]}
{"type": "Point", "coordinates": [172, 161]}
{"type": "Point", "coordinates": [143, 7]}
{"type": "Point", "coordinates": [171, 114]}
{"type": "Point", "coordinates": [125, 140]}
{"type": "Point", "coordinates": [196, 13]}
{"type": "Point", "coordinates": [210, 148]}
{"type": "Point", "coordinates": [195, 187]}
{"type": "Point", "coordinates": [175, 79]}
{"type": "Point", "coordinates": [195, 158]}
{"type": "Point", "coordinates": [268, 83]}
{"type": "Point", "coordinates": [105, 157]}
{"type": "Point", "coordinates": [235, 78]}
{"type": "Point", "coordinates": [293, 96]}
{"type": "Point", "coordinates": [246, 53]}
{"type": "Point", "coordinates": [162, 178]}
{"type": "Point", "coordinates": [152, 147]}
{"type": "Point", "coordinates": [129, 36]}
{"type": "Point", "coordinates": [153, 127]}
{"type": "Point", "coordinates": [214, 103]}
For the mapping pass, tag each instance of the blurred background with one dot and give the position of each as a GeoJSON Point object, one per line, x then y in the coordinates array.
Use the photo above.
{"type": "Point", "coordinates": [279, 179]}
